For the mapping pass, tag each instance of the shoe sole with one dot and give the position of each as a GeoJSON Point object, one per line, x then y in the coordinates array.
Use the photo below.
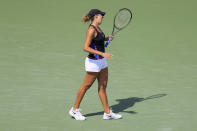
{"type": "Point", "coordinates": [112, 118]}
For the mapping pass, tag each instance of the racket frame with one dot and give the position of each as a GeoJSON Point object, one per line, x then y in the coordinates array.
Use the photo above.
{"type": "Point", "coordinates": [118, 29]}
{"type": "Point", "coordinates": [113, 33]}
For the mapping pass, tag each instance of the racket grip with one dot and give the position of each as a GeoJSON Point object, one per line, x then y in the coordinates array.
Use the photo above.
{"type": "Point", "coordinates": [107, 43]}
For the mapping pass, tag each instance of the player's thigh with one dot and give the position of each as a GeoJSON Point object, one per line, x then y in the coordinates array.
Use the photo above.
{"type": "Point", "coordinates": [89, 79]}
{"type": "Point", "coordinates": [103, 77]}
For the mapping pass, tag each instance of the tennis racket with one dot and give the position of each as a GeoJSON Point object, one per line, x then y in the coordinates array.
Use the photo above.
{"type": "Point", "coordinates": [121, 20]}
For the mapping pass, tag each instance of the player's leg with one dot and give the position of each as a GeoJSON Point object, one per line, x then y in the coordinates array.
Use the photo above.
{"type": "Point", "coordinates": [102, 84]}
{"type": "Point", "coordinates": [89, 79]}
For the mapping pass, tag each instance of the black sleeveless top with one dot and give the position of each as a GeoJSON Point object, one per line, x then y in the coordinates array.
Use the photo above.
{"type": "Point", "coordinates": [97, 43]}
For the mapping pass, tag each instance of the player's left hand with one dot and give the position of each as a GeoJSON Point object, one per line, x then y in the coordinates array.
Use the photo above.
{"type": "Point", "coordinates": [111, 37]}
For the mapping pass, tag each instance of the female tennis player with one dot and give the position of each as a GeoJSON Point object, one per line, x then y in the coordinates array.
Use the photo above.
{"type": "Point", "coordinates": [95, 65]}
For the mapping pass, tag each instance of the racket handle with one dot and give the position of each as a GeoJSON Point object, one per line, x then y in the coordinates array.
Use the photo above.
{"type": "Point", "coordinates": [107, 43]}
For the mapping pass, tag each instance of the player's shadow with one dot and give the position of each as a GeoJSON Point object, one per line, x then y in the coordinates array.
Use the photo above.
{"type": "Point", "coordinates": [125, 104]}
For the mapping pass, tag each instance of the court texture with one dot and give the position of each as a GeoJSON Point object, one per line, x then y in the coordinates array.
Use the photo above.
{"type": "Point", "coordinates": [152, 76]}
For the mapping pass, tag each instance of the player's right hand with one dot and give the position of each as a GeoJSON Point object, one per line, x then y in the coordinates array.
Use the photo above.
{"type": "Point", "coordinates": [107, 55]}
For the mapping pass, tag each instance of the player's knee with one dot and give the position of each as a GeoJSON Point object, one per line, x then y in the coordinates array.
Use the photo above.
{"type": "Point", "coordinates": [102, 86]}
{"type": "Point", "coordinates": [87, 86]}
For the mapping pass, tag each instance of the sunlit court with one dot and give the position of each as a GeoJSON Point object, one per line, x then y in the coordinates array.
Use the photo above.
{"type": "Point", "coordinates": [147, 74]}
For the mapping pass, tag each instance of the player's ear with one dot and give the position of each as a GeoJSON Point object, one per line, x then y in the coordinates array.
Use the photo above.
{"type": "Point", "coordinates": [96, 15]}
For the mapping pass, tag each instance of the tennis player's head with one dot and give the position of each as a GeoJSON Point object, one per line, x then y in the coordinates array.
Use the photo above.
{"type": "Point", "coordinates": [94, 15]}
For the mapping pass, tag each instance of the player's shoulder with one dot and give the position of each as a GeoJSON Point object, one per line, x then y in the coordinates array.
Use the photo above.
{"type": "Point", "coordinates": [91, 30]}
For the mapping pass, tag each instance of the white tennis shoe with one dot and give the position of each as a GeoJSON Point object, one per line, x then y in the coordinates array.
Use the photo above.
{"type": "Point", "coordinates": [76, 114]}
{"type": "Point", "coordinates": [111, 115]}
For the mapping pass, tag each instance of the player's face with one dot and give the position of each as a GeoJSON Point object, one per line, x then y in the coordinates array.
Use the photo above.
{"type": "Point", "coordinates": [99, 18]}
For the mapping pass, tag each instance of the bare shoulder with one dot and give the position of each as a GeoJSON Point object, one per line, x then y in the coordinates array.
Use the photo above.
{"type": "Point", "coordinates": [91, 31]}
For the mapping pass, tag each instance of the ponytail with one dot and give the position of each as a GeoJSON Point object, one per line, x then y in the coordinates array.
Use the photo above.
{"type": "Point", "coordinates": [86, 18]}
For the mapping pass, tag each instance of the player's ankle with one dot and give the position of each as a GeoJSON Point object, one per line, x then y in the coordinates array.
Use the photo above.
{"type": "Point", "coordinates": [75, 108]}
{"type": "Point", "coordinates": [107, 111]}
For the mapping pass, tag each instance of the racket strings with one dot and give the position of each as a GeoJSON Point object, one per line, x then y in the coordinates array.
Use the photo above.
{"type": "Point", "coordinates": [122, 19]}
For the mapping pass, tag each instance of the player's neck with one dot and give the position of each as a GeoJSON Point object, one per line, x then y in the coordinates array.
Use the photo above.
{"type": "Point", "coordinates": [95, 24]}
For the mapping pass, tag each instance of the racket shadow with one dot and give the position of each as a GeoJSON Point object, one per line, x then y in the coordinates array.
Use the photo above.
{"type": "Point", "coordinates": [126, 103]}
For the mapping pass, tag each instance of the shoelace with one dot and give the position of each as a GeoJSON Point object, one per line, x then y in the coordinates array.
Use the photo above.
{"type": "Point", "coordinates": [78, 112]}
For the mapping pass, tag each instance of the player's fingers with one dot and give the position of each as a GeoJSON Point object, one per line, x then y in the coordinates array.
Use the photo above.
{"type": "Point", "coordinates": [111, 55]}
{"type": "Point", "coordinates": [109, 58]}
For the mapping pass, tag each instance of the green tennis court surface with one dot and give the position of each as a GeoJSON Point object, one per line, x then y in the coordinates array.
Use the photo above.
{"type": "Point", "coordinates": [42, 66]}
